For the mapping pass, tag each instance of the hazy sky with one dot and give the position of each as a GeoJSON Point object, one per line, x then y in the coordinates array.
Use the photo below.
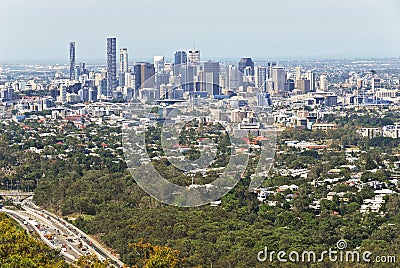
{"type": "Point", "coordinates": [33, 30]}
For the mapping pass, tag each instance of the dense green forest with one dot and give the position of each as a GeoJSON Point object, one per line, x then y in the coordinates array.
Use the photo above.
{"type": "Point", "coordinates": [18, 249]}
{"type": "Point", "coordinates": [230, 235]}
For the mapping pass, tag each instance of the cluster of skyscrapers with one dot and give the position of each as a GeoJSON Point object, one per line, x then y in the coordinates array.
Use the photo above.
{"type": "Point", "coordinates": [185, 75]}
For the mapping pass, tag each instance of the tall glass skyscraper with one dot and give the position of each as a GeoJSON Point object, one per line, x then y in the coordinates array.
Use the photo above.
{"type": "Point", "coordinates": [246, 62]}
{"type": "Point", "coordinates": [111, 65]}
{"type": "Point", "coordinates": [209, 78]}
{"type": "Point", "coordinates": [144, 75]}
{"type": "Point", "coordinates": [179, 59]}
{"type": "Point", "coordinates": [72, 60]}
{"type": "Point", "coordinates": [260, 78]}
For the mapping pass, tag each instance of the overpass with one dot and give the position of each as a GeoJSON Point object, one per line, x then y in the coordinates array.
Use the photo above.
{"type": "Point", "coordinates": [15, 196]}
{"type": "Point", "coordinates": [16, 193]}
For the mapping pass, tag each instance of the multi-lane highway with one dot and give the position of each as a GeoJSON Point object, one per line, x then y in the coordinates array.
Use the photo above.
{"type": "Point", "coordinates": [59, 234]}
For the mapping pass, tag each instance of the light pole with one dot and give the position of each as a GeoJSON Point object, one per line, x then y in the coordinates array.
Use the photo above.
{"type": "Point", "coordinates": [192, 175]}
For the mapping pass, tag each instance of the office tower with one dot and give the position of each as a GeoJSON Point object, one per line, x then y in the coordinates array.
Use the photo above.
{"type": "Point", "coordinates": [270, 66]}
{"type": "Point", "coordinates": [246, 62]}
{"type": "Point", "coordinates": [260, 78]}
{"type": "Point", "coordinates": [123, 66]}
{"type": "Point", "coordinates": [78, 71]}
{"type": "Point", "coordinates": [72, 60]}
{"type": "Point", "coordinates": [209, 78]}
{"type": "Point", "coordinates": [6, 93]}
{"type": "Point", "coordinates": [233, 78]}
{"type": "Point", "coordinates": [84, 94]}
{"type": "Point", "coordinates": [165, 92]}
{"type": "Point", "coordinates": [187, 73]}
{"type": "Point", "coordinates": [123, 60]}
{"type": "Point", "coordinates": [298, 73]}
{"type": "Point", "coordinates": [375, 84]}
{"type": "Point", "coordinates": [162, 79]}
{"type": "Point", "coordinates": [290, 85]}
{"type": "Point", "coordinates": [127, 93]}
{"type": "Point", "coordinates": [92, 95]}
{"type": "Point", "coordinates": [10, 93]}
{"type": "Point", "coordinates": [144, 75]}
{"type": "Point", "coordinates": [82, 67]}
{"type": "Point", "coordinates": [304, 85]}
{"type": "Point", "coordinates": [111, 66]}
{"type": "Point", "coordinates": [98, 77]}
{"type": "Point", "coordinates": [91, 75]}
{"type": "Point", "coordinates": [223, 77]}
{"type": "Point", "coordinates": [311, 76]}
{"type": "Point", "coordinates": [180, 58]}
{"type": "Point", "coordinates": [158, 64]}
{"type": "Point", "coordinates": [168, 67]}
{"type": "Point", "coordinates": [102, 88]}
{"type": "Point", "coordinates": [270, 85]}
{"type": "Point", "coordinates": [323, 83]}
{"type": "Point", "coordinates": [248, 73]}
{"type": "Point", "coordinates": [194, 57]}
{"type": "Point", "coordinates": [129, 80]}
{"type": "Point", "coordinates": [63, 93]}
{"type": "Point", "coordinates": [279, 78]}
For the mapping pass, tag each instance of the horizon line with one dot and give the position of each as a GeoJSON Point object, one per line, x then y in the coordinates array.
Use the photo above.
{"type": "Point", "coordinates": [98, 61]}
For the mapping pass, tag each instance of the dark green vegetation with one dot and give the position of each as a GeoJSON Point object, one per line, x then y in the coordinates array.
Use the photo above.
{"type": "Point", "coordinates": [18, 249]}
{"type": "Point", "coordinates": [82, 172]}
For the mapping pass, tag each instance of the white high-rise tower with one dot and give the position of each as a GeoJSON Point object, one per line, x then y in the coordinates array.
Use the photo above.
{"type": "Point", "coordinates": [123, 60]}
{"type": "Point", "coordinates": [323, 83]}
{"type": "Point", "coordinates": [194, 57]}
{"type": "Point", "coordinates": [159, 64]}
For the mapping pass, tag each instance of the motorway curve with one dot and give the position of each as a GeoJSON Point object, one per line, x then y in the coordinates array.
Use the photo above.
{"type": "Point", "coordinates": [59, 234]}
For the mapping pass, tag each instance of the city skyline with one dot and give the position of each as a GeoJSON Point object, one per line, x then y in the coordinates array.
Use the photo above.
{"type": "Point", "coordinates": [265, 30]}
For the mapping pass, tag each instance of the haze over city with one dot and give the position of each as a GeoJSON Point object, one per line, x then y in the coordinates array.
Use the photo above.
{"type": "Point", "coordinates": [38, 30]}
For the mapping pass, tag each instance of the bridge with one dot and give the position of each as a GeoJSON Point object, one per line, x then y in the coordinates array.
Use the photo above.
{"type": "Point", "coordinates": [15, 195]}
